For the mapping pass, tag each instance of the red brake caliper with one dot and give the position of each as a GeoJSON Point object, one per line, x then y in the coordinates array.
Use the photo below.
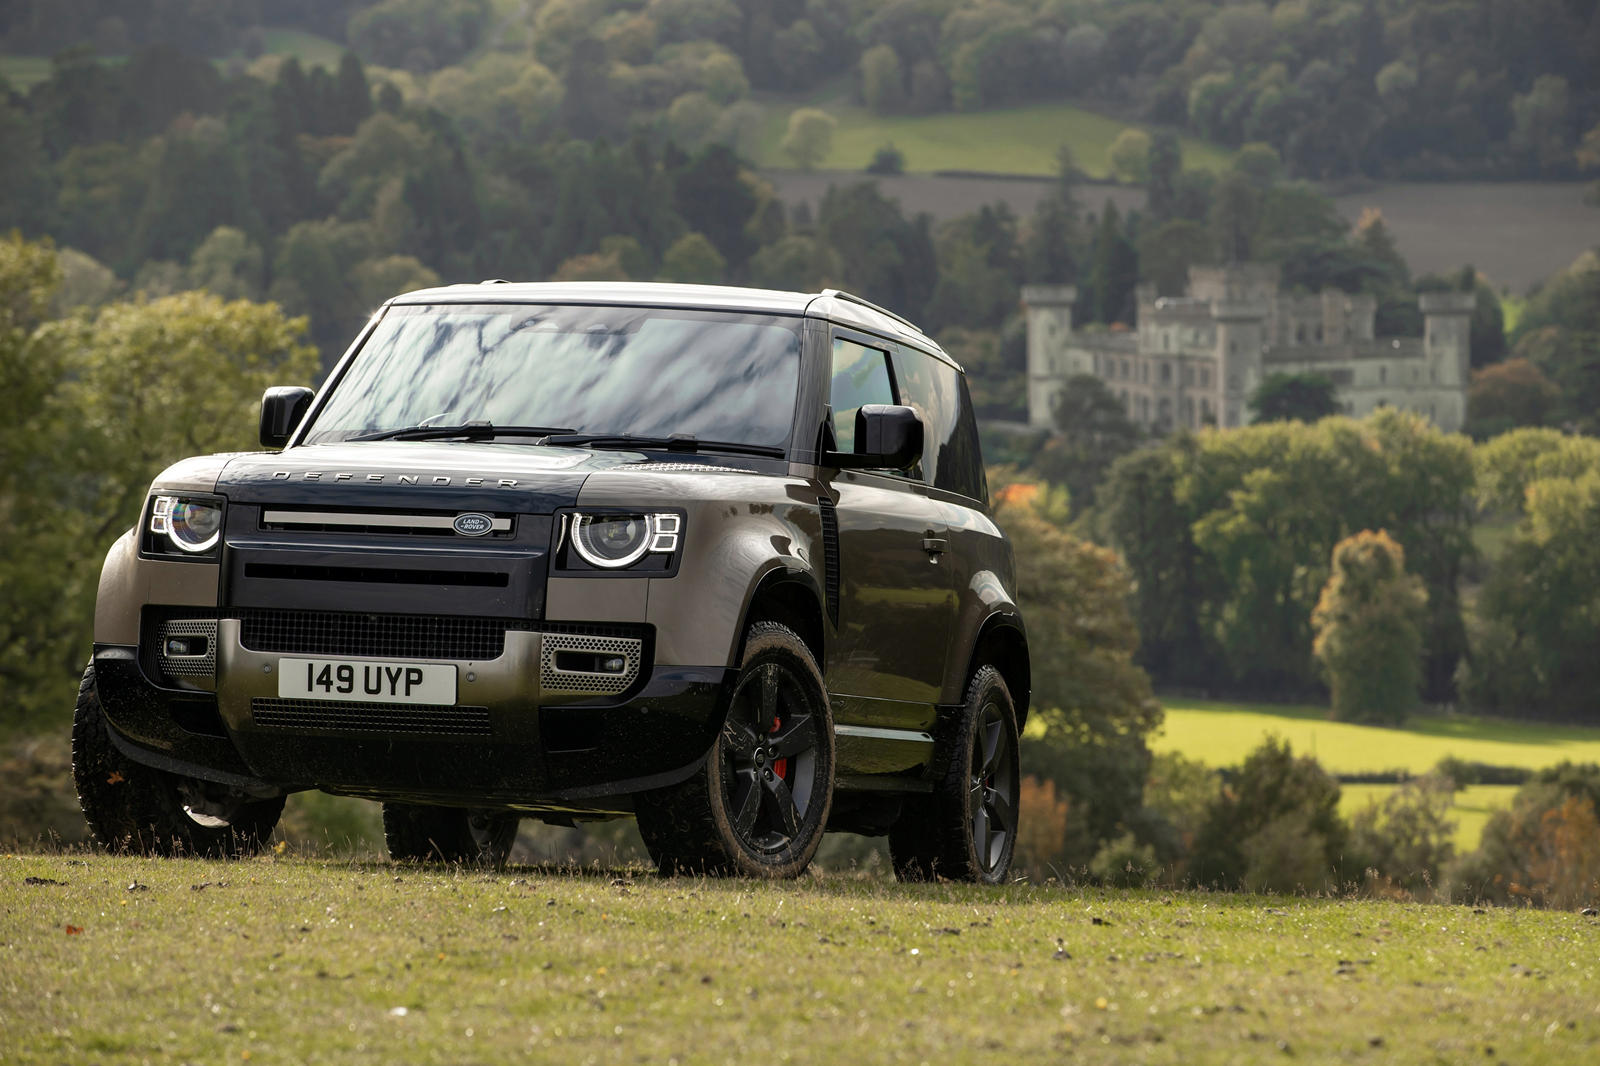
{"type": "Point", "coordinates": [779, 766]}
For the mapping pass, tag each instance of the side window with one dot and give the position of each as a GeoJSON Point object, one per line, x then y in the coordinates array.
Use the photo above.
{"type": "Point", "coordinates": [951, 458]}
{"type": "Point", "coordinates": [860, 376]}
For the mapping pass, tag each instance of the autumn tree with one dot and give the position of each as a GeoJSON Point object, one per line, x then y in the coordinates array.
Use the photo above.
{"type": "Point", "coordinates": [1369, 630]}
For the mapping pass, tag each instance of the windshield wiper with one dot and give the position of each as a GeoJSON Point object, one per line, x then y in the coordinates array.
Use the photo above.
{"type": "Point", "coordinates": [469, 430]}
{"type": "Point", "coordinates": [677, 442]}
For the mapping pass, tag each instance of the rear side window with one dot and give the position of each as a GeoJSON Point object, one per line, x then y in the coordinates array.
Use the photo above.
{"type": "Point", "coordinates": [860, 376]}
{"type": "Point", "coordinates": [951, 457]}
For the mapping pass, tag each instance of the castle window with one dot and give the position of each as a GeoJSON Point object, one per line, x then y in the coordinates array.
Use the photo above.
{"type": "Point", "coordinates": [1127, 371]}
{"type": "Point", "coordinates": [1233, 347]}
{"type": "Point", "coordinates": [1205, 377]}
{"type": "Point", "coordinates": [1319, 334]}
{"type": "Point", "coordinates": [1166, 373]}
{"type": "Point", "coordinates": [1300, 334]}
{"type": "Point", "coordinates": [1144, 373]}
{"type": "Point", "coordinates": [1383, 375]}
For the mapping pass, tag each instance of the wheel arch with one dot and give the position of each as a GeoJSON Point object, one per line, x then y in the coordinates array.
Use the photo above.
{"type": "Point", "coordinates": [789, 596]}
{"type": "Point", "coordinates": [1003, 643]}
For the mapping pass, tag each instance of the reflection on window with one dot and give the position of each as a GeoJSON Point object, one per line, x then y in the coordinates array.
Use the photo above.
{"type": "Point", "coordinates": [651, 371]}
{"type": "Point", "coordinates": [860, 376]}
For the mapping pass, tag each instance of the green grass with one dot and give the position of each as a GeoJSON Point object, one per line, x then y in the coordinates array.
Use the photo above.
{"type": "Point", "coordinates": [1221, 734]}
{"type": "Point", "coordinates": [280, 961]}
{"type": "Point", "coordinates": [1021, 140]}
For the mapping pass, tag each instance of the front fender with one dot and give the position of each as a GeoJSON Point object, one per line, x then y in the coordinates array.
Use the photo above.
{"type": "Point", "coordinates": [129, 582]}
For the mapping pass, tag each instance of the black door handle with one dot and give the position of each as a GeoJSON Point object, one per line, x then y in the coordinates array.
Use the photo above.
{"type": "Point", "coordinates": [935, 545]}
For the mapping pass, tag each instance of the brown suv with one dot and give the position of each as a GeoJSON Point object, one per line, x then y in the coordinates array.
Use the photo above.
{"type": "Point", "coordinates": [717, 558]}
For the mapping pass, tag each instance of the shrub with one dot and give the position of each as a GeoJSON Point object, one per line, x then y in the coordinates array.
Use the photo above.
{"type": "Point", "coordinates": [1404, 841]}
{"type": "Point", "coordinates": [887, 160]}
{"type": "Point", "coordinates": [1125, 863]}
{"type": "Point", "coordinates": [1545, 850]}
{"type": "Point", "coordinates": [1271, 823]}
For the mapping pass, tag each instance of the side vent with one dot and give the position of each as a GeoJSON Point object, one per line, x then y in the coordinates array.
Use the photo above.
{"type": "Point", "coordinates": [830, 556]}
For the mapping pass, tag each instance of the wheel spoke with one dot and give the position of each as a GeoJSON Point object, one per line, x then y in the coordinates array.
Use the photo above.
{"type": "Point", "coordinates": [992, 732]}
{"type": "Point", "coordinates": [746, 802]}
{"type": "Point", "coordinates": [1002, 810]}
{"type": "Point", "coordinates": [769, 695]}
{"type": "Point", "coordinates": [780, 801]}
{"type": "Point", "coordinates": [740, 738]}
{"type": "Point", "coordinates": [795, 737]}
{"type": "Point", "coordinates": [980, 835]}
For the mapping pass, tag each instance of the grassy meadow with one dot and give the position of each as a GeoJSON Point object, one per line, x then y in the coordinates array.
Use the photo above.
{"type": "Point", "coordinates": [1020, 140]}
{"type": "Point", "coordinates": [280, 960]}
{"type": "Point", "coordinates": [1222, 734]}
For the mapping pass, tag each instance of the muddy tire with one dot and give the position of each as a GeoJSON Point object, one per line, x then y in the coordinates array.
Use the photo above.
{"type": "Point", "coordinates": [137, 809]}
{"type": "Point", "coordinates": [417, 833]}
{"type": "Point", "coordinates": [966, 829]}
{"type": "Point", "coordinates": [759, 804]}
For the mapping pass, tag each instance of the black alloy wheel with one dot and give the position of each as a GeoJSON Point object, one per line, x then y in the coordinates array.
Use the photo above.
{"type": "Point", "coordinates": [770, 743]}
{"type": "Point", "coordinates": [966, 829]}
{"type": "Point", "coordinates": [758, 806]}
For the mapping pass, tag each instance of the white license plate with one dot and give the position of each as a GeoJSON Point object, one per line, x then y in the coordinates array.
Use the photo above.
{"type": "Point", "coordinates": [366, 681]}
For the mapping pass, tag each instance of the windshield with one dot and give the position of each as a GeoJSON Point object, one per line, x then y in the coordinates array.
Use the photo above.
{"type": "Point", "coordinates": [717, 376]}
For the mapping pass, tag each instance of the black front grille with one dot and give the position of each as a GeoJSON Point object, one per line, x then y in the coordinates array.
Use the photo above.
{"type": "Point", "coordinates": [370, 717]}
{"type": "Point", "coordinates": [399, 636]}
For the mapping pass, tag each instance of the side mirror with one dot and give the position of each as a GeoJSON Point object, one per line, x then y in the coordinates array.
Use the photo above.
{"type": "Point", "coordinates": [282, 408]}
{"type": "Point", "coordinates": [887, 438]}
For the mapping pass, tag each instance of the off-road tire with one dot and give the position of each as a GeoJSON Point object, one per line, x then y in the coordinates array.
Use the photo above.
{"type": "Point", "coordinates": [137, 809]}
{"type": "Point", "coordinates": [937, 834]}
{"type": "Point", "coordinates": [418, 833]}
{"type": "Point", "coordinates": [695, 827]}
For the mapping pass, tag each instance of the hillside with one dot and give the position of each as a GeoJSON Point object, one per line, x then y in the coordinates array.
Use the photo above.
{"type": "Point", "coordinates": [121, 960]}
{"type": "Point", "coordinates": [1018, 140]}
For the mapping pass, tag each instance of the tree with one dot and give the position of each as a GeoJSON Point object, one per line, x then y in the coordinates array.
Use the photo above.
{"type": "Point", "coordinates": [1368, 623]}
{"type": "Point", "coordinates": [1092, 432]}
{"type": "Point", "coordinates": [1165, 164]}
{"type": "Point", "coordinates": [808, 138]}
{"type": "Point", "coordinates": [1506, 395]}
{"type": "Point", "coordinates": [882, 81]}
{"type": "Point", "coordinates": [1130, 156]}
{"type": "Point", "coordinates": [1113, 273]}
{"type": "Point", "coordinates": [1235, 214]}
{"type": "Point", "coordinates": [1093, 702]}
{"type": "Point", "coordinates": [1167, 251]}
{"type": "Point", "coordinates": [1559, 332]}
{"type": "Point", "coordinates": [1294, 397]}
{"type": "Point", "coordinates": [229, 264]}
{"type": "Point", "coordinates": [692, 258]}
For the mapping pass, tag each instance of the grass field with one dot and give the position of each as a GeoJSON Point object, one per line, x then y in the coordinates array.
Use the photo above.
{"type": "Point", "coordinates": [23, 72]}
{"type": "Point", "coordinates": [1222, 734]}
{"type": "Point", "coordinates": [115, 960]}
{"type": "Point", "coordinates": [1021, 140]}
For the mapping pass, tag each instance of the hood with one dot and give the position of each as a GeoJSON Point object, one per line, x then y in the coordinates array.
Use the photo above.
{"type": "Point", "coordinates": [428, 474]}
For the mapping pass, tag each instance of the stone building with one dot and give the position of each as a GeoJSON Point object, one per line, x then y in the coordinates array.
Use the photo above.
{"type": "Point", "coordinates": [1194, 360]}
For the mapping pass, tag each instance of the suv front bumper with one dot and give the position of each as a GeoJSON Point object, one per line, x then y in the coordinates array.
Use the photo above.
{"type": "Point", "coordinates": [521, 734]}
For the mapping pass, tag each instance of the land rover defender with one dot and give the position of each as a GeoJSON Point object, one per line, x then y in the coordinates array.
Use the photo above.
{"type": "Point", "coordinates": [720, 559]}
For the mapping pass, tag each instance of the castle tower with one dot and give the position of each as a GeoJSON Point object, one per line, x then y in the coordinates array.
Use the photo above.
{"type": "Point", "coordinates": [1048, 309]}
{"type": "Point", "coordinates": [1241, 297]}
{"type": "Point", "coordinates": [1447, 335]}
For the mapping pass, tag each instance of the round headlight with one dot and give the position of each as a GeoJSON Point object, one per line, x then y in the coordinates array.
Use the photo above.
{"type": "Point", "coordinates": [611, 540]}
{"type": "Point", "coordinates": [194, 525]}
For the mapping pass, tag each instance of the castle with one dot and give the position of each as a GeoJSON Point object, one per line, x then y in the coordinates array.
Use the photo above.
{"type": "Point", "coordinates": [1195, 360]}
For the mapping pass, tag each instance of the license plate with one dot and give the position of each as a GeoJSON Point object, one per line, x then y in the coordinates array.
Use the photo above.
{"type": "Point", "coordinates": [365, 681]}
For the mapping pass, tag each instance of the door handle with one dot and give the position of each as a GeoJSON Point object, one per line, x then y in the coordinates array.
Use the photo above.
{"type": "Point", "coordinates": [935, 545]}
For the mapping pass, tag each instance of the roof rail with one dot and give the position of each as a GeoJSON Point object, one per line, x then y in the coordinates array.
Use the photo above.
{"type": "Point", "coordinates": [494, 281]}
{"type": "Point", "coordinates": [840, 294]}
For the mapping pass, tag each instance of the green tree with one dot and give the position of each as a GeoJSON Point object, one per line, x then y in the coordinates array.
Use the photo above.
{"type": "Point", "coordinates": [1369, 630]}
{"type": "Point", "coordinates": [1113, 271]}
{"type": "Point", "coordinates": [1167, 251]}
{"type": "Point", "coordinates": [1093, 430]}
{"type": "Point", "coordinates": [808, 138]}
{"type": "Point", "coordinates": [229, 264]}
{"type": "Point", "coordinates": [692, 258]}
{"type": "Point", "coordinates": [1559, 332]}
{"type": "Point", "coordinates": [1093, 704]}
{"type": "Point", "coordinates": [1294, 397]}
{"type": "Point", "coordinates": [1130, 156]}
{"type": "Point", "coordinates": [882, 80]}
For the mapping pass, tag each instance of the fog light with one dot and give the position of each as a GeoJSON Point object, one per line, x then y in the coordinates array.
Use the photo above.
{"type": "Point", "coordinates": [185, 647]}
{"type": "Point", "coordinates": [614, 665]}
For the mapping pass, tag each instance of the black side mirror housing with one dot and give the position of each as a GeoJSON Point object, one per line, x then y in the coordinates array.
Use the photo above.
{"type": "Point", "coordinates": [282, 408]}
{"type": "Point", "coordinates": [888, 437]}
